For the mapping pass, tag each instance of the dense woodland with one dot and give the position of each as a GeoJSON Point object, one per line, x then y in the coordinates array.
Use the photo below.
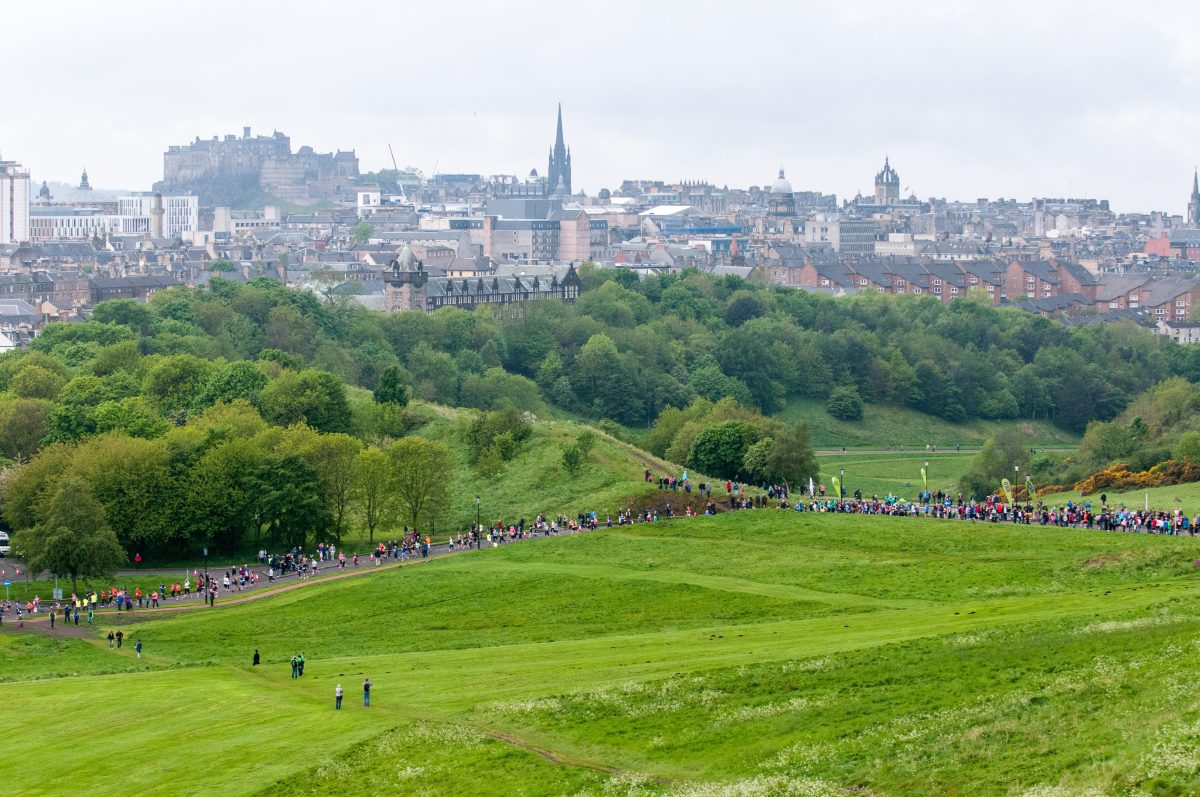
{"type": "Point", "coordinates": [247, 411]}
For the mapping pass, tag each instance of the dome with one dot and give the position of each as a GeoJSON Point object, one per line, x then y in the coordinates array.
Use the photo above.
{"type": "Point", "coordinates": [781, 185]}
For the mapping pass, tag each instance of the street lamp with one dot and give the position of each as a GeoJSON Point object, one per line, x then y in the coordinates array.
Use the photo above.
{"type": "Point", "coordinates": [206, 584]}
{"type": "Point", "coordinates": [842, 484]}
{"type": "Point", "coordinates": [478, 531]}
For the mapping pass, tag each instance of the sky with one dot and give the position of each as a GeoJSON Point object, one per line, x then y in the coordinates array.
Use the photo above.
{"type": "Point", "coordinates": [1011, 99]}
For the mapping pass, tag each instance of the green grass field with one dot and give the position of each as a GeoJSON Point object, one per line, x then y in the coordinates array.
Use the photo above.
{"type": "Point", "coordinates": [754, 653]}
{"type": "Point", "coordinates": [898, 474]}
{"type": "Point", "coordinates": [1184, 496]}
{"type": "Point", "coordinates": [886, 427]}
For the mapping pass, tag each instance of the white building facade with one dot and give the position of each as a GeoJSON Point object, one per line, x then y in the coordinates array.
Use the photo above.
{"type": "Point", "coordinates": [14, 203]}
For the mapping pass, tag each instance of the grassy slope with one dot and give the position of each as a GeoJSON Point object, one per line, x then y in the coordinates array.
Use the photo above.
{"type": "Point", "coordinates": [899, 474]}
{"type": "Point", "coordinates": [1184, 496]}
{"type": "Point", "coordinates": [535, 482]}
{"type": "Point", "coordinates": [786, 653]}
{"type": "Point", "coordinates": [884, 427]}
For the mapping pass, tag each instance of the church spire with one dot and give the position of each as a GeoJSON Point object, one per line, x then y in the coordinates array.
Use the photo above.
{"type": "Point", "coordinates": [1196, 183]}
{"type": "Point", "coordinates": [559, 146]}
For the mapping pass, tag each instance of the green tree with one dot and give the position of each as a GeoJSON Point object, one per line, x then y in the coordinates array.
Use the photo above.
{"type": "Point", "coordinates": [372, 499]}
{"type": "Point", "coordinates": [791, 460]}
{"type": "Point", "coordinates": [314, 397]}
{"type": "Point", "coordinates": [361, 233]}
{"type": "Point", "coordinates": [36, 382]}
{"type": "Point", "coordinates": [174, 384]}
{"type": "Point", "coordinates": [72, 539]}
{"type": "Point", "coordinates": [1188, 447]}
{"type": "Point", "coordinates": [391, 388]}
{"type": "Point", "coordinates": [132, 480]}
{"type": "Point", "coordinates": [333, 458]}
{"type": "Point", "coordinates": [995, 462]}
{"type": "Point", "coordinates": [23, 424]}
{"type": "Point", "coordinates": [423, 470]}
{"type": "Point", "coordinates": [845, 403]}
{"type": "Point", "coordinates": [231, 382]}
{"type": "Point", "coordinates": [754, 463]}
{"type": "Point", "coordinates": [720, 449]}
{"type": "Point", "coordinates": [572, 458]}
{"type": "Point", "coordinates": [131, 416]}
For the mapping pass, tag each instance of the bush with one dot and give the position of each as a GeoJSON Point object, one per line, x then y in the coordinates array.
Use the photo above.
{"type": "Point", "coordinates": [506, 430]}
{"type": "Point", "coordinates": [845, 404]}
{"type": "Point", "coordinates": [720, 449]}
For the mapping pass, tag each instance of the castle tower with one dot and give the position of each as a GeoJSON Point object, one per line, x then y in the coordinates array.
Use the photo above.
{"type": "Point", "coordinates": [887, 185]}
{"type": "Point", "coordinates": [404, 287]}
{"type": "Point", "coordinates": [558, 173]}
{"type": "Point", "coordinates": [1193, 213]}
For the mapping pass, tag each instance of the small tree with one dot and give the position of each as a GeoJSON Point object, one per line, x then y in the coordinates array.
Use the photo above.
{"type": "Point", "coordinates": [372, 497]}
{"type": "Point", "coordinates": [391, 388]}
{"type": "Point", "coordinates": [361, 233]}
{"type": "Point", "coordinates": [73, 540]}
{"type": "Point", "coordinates": [422, 472]}
{"type": "Point", "coordinates": [572, 458]}
{"type": "Point", "coordinates": [845, 404]}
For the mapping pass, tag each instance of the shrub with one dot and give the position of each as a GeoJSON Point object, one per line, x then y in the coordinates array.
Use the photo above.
{"type": "Point", "coordinates": [845, 404]}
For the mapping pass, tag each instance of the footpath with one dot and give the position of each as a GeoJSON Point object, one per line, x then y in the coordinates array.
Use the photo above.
{"type": "Point", "coordinates": [326, 572]}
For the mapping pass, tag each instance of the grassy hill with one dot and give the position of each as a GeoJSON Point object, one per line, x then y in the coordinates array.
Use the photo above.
{"type": "Point", "coordinates": [898, 474]}
{"type": "Point", "coordinates": [1183, 496]}
{"type": "Point", "coordinates": [886, 427]}
{"type": "Point", "coordinates": [754, 653]}
{"type": "Point", "coordinates": [535, 481]}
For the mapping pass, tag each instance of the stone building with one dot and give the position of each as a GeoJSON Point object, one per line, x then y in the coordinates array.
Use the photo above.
{"type": "Point", "coordinates": [408, 286]}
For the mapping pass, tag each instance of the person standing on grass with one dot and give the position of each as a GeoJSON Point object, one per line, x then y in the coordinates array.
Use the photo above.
{"type": "Point", "coordinates": [257, 659]}
{"type": "Point", "coordinates": [366, 692]}
{"type": "Point", "coordinates": [120, 638]}
{"type": "Point", "coordinates": [337, 697]}
{"type": "Point", "coordinates": [52, 618]}
{"type": "Point", "coordinates": [138, 647]}
{"type": "Point", "coordinates": [295, 668]}
{"type": "Point", "coordinates": [300, 664]}
{"type": "Point", "coordinates": [112, 639]}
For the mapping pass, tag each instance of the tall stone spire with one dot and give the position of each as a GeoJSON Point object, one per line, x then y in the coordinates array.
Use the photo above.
{"type": "Point", "coordinates": [558, 172]}
{"type": "Point", "coordinates": [1193, 211]}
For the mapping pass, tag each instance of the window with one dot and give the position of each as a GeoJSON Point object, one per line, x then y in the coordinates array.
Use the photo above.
{"type": "Point", "coordinates": [1113, 305]}
{"type": "Point", "coordinates": [916, 290]}
{"type": "Point", "coordinates": [1179, 302]}
{"type": "Point", "coordinates": [1159, 311]}
{"type": "Point", "coordinates": [937, 290]}
{"type": "Point", "coordinates": [953, 291]}
{"type": "Point", "coordinates": [974, 280]}
{"type": "Point", "coordinates": [937, 282]}
{"type": "Point", "coordinates": [825, 282]}
{"type": "Point", "coordinates": [862, 280]}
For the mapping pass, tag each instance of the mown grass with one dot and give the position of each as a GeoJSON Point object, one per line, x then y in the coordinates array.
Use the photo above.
{"type": "Point", "coordinates": [898, 474]}
{"type": "Point", "coordinates": [885, 427]}
{"type": "Point", "coordinates": [755, 653]}
{"type": "Point", "coordinates": [1182, 496]}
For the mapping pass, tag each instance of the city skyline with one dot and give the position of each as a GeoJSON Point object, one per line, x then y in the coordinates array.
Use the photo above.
{"type": "Point", "coordinates": [966, 102]}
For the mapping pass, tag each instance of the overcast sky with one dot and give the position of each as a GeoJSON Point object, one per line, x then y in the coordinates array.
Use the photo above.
{"type": "Point", "coordinates": [968, 99]}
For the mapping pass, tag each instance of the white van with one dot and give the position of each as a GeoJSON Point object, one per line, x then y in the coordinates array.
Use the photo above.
{"type": "Point", "coordinates": [3, 544]}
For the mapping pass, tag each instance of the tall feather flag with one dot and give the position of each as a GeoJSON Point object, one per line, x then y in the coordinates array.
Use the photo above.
{"type": "Point", "coordinates": [1030, 488]}
{"type": "Point", "coordinates": [1007, 490]}
{"type": "Point", "coordinates": [924, 479]}
{"type": "Point", "coordinates": [812, 488]}
{"type": "Point", "coordinates": [837, 487]}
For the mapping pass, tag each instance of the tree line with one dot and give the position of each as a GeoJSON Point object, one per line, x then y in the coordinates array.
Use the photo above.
{"type": "Point", "coordinates": [629, 348]}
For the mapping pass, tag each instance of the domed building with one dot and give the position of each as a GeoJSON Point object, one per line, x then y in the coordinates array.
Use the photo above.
{"type": "Point", "coordinates": [782, 201]}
